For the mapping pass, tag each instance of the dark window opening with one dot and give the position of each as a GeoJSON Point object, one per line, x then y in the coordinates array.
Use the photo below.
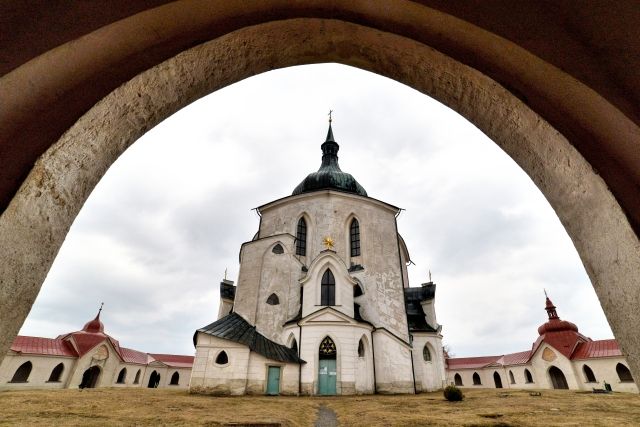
{"type": "Point", "coordinates": [426, 354]}
{"type": "Point", "coordinates": [357, 291]}
{"type": "Point", "coordinates": [356, 312]}
{"type": "Point", "coordinates": [137, 378]}
{"type": "Point", "coordinates": [361, 348]}
{"type": "Point", "coordinates": [328, 289]}
{"type": "Point", "coordinates": [588, 374]}
{"type": "Point", "coordinates": [22, 373]}
{"type": "Point", "coordinates": [122, 376]}
{"type": "Point", "coordinates": [294, 345]}
{"type": "Point", "coordinates": [457, 380]}
{"type": "Point", "coordinates": [154, 380]}
{"type": "Point", "coordinates": [90, 378]}
{"type": "Point", "coordinates": [56, 373]}
{"type": "Point", "coordinates": [512, 379]}
{"type": "Point", "coordinates": [527, 376]}
{"type": "Point", "coordinates": [497, 380]}
{"type": "Point", "coordinates": [175, 379]}
{"type": "Point", "coordinates": [624, 373]}
{"type": "Point", "coordinates": [222, 358]}
{"type": "Point", "coordinates": [301, 238]}
{"type": "Point", "coordinates": [476, 379]}
{"type": "Point", "coordinates": [277, 249]}
{"type": "Point", "coordinates": [273, 299]}
{"type": "Point", "coordinates": [558, 380]}
{"type": "Point", "coordinates": [354, 233]}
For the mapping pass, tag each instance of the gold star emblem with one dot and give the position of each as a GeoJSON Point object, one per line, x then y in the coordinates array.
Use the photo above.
{"type": "Point", "coordinates": [328, 242]}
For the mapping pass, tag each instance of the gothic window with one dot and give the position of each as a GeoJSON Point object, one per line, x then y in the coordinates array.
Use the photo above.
{"type": "Point", "coordinates": [361, 348]}
{"type": "Point", "coordinates": [277, 249]}
{"type": "Point", "coordinates": [122, 376]}
{"type": "Point", "coordinates": [457, 380]}
{"type": "Point", "coordinates": [527, 376]}
{"type": "Point", "coordinates": [222, 358]}
{"type": "Point", "coordinates": [512, 379]}
{"type": "Point", "coordinates": [623, 373]}
{"type": "Point", "coordinates": [273, 299]}
{"type": "Point", "coordinates": [301, 238]}
{"type": "Point", "coordinates": [588, 374]}
{"type": "Point", "coordinates": [354, 233]}
{"type": "Point", "coordinates": [328, 289]}
{"type": "Point", "coordinates": [22, 373]}
{"type": "Point", "coordinates": [137, 378]}
{"type": "Point", "coordinates": [476, 379]}
{"type": "Point", "coordinates": [56, 373]}
{"type": "Point", "coordinates": [175, 379]}
{"type": "Point", "coordinates": [327, 349]}
{"type": "Point", "coordinates": [294, 345]}
{"type": "Point", "coordinates": [426, 354]}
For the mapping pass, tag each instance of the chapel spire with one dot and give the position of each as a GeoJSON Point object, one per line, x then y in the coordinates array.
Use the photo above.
{"type": "Point", "coordinates": [551, 309]}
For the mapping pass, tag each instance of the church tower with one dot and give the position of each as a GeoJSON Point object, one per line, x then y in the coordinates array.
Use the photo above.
{"type": "Point", "coordinates": [322, 303]}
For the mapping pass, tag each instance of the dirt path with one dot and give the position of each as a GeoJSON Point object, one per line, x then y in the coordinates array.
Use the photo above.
{"type": "Point", "coordinates": [326, 417]}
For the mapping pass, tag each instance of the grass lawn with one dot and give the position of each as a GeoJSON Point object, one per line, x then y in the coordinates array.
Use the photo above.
{"type": "Point", "coordinates": [171, 407]}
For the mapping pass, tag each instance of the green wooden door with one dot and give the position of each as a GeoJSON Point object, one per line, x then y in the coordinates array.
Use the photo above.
{"type": "Point", "coordinates": [273, 380]}
{"type": "Point", "coordinates": [327, 377]}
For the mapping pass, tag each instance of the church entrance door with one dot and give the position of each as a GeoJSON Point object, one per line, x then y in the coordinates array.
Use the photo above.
{"type": "Point", "coordinates": [327, 367]}
{"type": "Point", "coordinates": [497, 380]}
{"type": "Point", "coordinates": [154, 380]}
{"type": "Point", "coordinates": [273, 380]}
{"type": "Point", "coordinates": [557, 378]}
{"type": "Point", "coordinates": [90, 377]}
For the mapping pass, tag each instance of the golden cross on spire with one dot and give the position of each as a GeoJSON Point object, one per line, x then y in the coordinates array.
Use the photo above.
{"type": "Point", "coordinates": [330, 111]}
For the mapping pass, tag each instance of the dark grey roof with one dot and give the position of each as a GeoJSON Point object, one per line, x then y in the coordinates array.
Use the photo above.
{"type": "Point", "coordinates": [330, 176]}
{"type": "Point", "coordinates": [415, 314]}
{"type": "Point", "coordinates": [227, 290]}
{"type": "Point", "coordinates": [234, 328]}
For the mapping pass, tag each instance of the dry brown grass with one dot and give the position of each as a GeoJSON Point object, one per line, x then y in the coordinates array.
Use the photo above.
{"type": "Point", "coordinates": [170, 407]}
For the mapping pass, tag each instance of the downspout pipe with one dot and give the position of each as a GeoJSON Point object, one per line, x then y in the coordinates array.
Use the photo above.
{"type": "Point", "coordinates": [373, 355]}
{"type": "Point", "coordinates": [299, 363]}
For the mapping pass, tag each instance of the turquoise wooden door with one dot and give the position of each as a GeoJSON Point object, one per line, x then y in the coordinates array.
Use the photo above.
{"type": "Point", "coordinates": [327, 377]}
{"type": "Point", "coordinates": [273, 380]}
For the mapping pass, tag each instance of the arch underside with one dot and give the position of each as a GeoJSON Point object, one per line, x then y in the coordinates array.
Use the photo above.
{"type": "Point", "coordinates": [34, 225]}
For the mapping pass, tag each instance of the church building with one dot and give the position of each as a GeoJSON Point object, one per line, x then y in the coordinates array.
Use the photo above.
{"type": "Point", "coordinates": [322, 304]}
{"type": "Point", "coordinates": [560, 358]}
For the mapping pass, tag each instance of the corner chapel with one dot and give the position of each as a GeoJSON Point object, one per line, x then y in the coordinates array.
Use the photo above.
{"type": "Point", "coordinates": [322, 303]}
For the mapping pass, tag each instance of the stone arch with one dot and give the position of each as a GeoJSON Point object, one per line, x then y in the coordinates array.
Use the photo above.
{"type": "Point", "coordinates": [136, 380]}
{"type": "Point", "coordinates": [512, 379]}
{"type": "Point", "coordinates": [154, 380]}
{"type": "Point", "coordinates": [49, 199]}
{"type": "Point", "coordinates": [624, 374]}
{"type": "Point", "coordinates": [528, 378]}
{"type": "Point", "coordinates": [497, 380]}
{"type": "Point", "coordinates": [558, 379]}
{"type": "Point", "coordinates": [292, 342]}
{"type": "Point", "coordinates": [56, 373]}
{"type": "Point", "coordinates": [90, 377]}
{"type": "Point", "coordinates": [222, 358]}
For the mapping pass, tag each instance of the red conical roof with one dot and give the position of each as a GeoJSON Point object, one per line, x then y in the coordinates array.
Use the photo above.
{"type": "Point", "coordinates": [94, 326]}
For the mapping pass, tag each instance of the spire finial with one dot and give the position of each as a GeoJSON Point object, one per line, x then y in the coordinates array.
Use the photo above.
{"type": "Point", "coordinates": [330, 120]}
{"type": "Point", "coordinates": [430, 275]}
{"type": "Point", "coordinates": [100, 310]}
{"type": "Point", "coordinates": [545, 293]}
{"type": "Point", "coordinates": [225, 274]}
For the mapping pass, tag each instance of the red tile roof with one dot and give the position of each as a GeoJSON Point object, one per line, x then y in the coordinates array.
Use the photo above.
{"type": "Point", "coordinates": [134, 356]}
{"type": "Point", "coordinates": [471, 362]}
{"type": "Point", "coordinates": [517, 358]}
{"type": "Point", "coordinates": [43, 346]}
{"type": "Point", "coordinates": [174, 360]}
{"type": "Point", "coordinates": [601, 348]}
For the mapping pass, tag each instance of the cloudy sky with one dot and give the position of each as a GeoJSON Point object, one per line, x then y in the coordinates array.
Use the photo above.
{"type": "Point", "coordinates": [155, 237]}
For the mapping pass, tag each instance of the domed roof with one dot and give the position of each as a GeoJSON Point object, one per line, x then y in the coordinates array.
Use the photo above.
{"type": "Point", "coordinates": [330, 176]}
{"type": "Point", "coordinates": [554, 324]}
{"type": "Point", "coordinates": [94, 326]}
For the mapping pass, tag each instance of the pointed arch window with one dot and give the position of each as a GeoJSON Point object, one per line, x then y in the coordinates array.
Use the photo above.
{"type": "Point", "coordinates": [476, 379]}
{"type": "Point", "coordinates": [624, 373]}
{"type": "Point", "coordinates": [361, 348]}
{"type": "Point", "coordinates": [527, 376]}
{"type": "Point", "coordinates": [122, 376]}
{"type": "Point", "coordinates": [273, 299]}
{"type": "Point", "coordinates": [457, 379]}
{"type": "Point", "coordinates": [222, 358]}
{"type": "Point", "coordinates": [426, 353]}
{"type": "Point", "coordinates": [588, 374]}
{"type": "Point", "coordinates": [301, 238]}
{"type": "Point", "coordinates": [328, 289]}
{"type": "Point", "coordinates": [22, 373]}
{"type": "Point", "coordinates": [137, 378]}
{"type": "Point", "coordinates": [56, 373]}
{"type": "Point", "coordinates": [327, 349]}
{"type": "Point", "coordinates": [354, 234]}
{"type": "Point", "coordinates": [294, 345]}
{"type": "Point", "coordinates": [175, 379]}
{"type": "Point", "coordinates": [512, 379]}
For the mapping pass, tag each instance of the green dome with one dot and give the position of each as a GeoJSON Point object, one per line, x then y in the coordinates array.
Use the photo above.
{"type": "Point", "coordinates": [329, 176]}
